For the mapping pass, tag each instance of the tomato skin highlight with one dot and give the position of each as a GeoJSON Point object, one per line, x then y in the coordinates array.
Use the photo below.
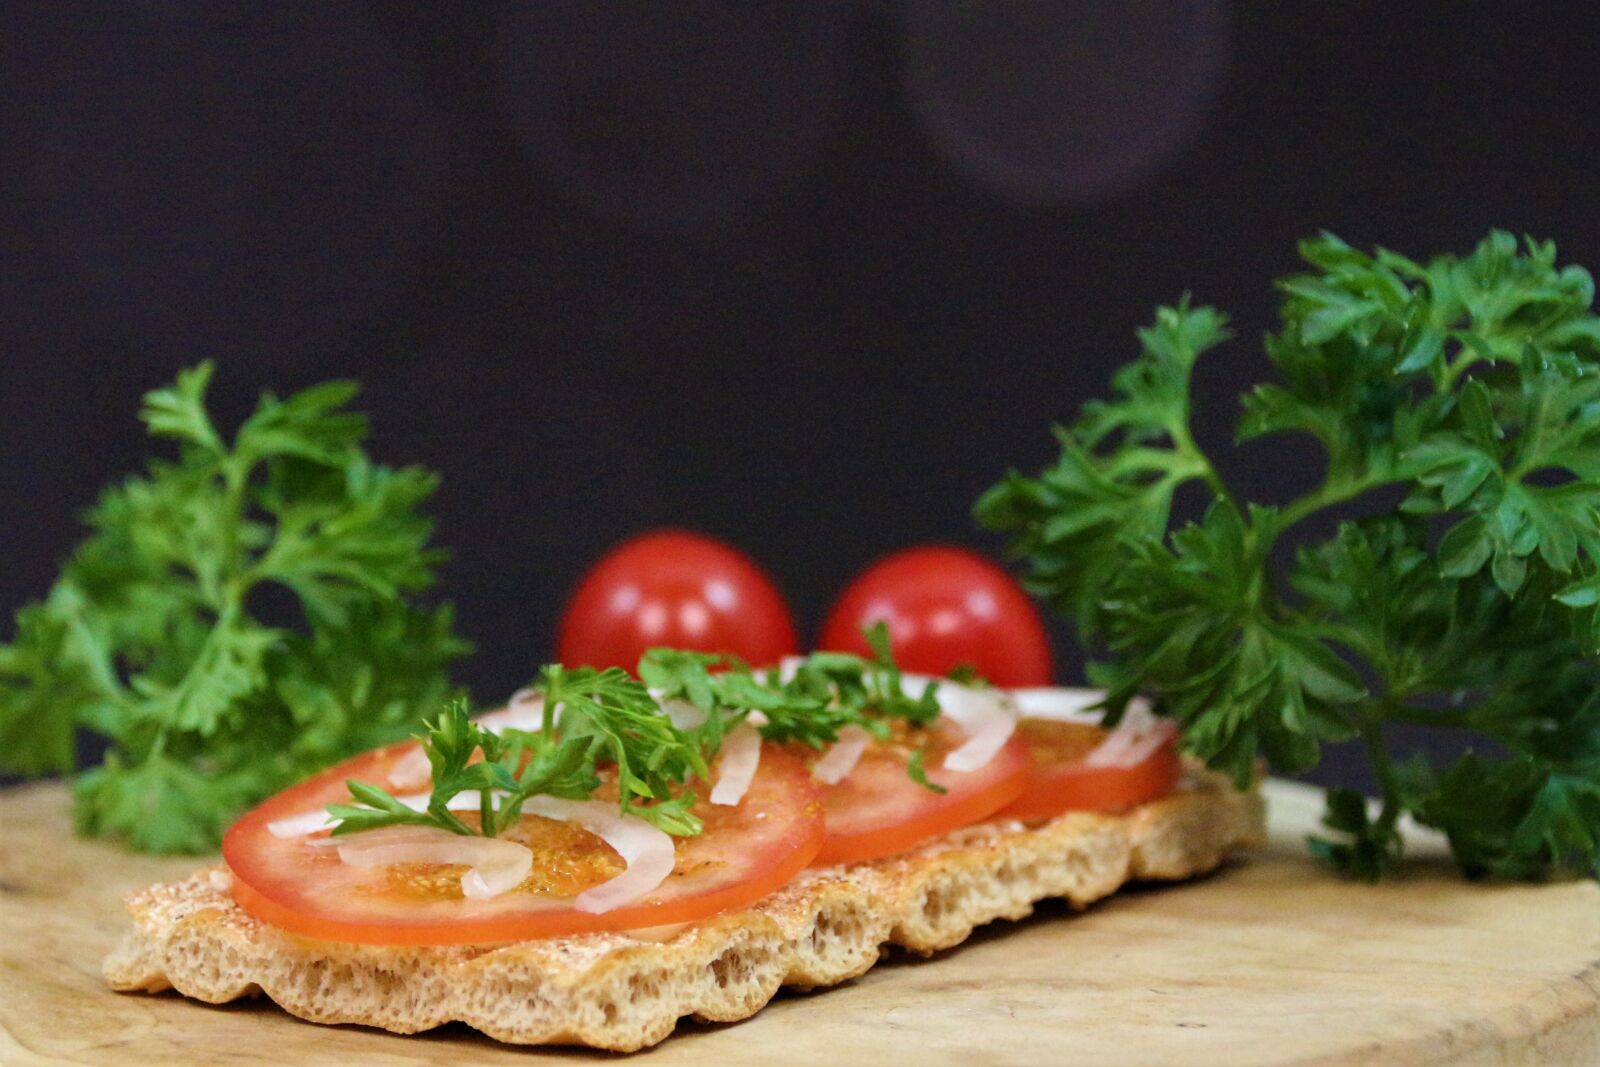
{"type": "Point", "coordinates": [879, 811]}
{"type": "Point", "coordinates": [679, 589]}
{"type": "Point", "coordinates": [945, 607]}
{"type": "Point", "coordinates": [1060, 784]}
{"type": "Point", "coordinates": [760, 846]}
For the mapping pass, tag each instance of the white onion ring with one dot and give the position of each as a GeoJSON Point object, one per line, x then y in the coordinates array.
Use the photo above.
{"type": "Point", "coordinates": [983, 714]}
{"type": "Point", "coordinates": [307, 822]}
{"type": "Point", "coordinates": [1162, 733]}
{"type": "Point", "coordinates": [913, 685]}
{"type": "Point", "coordinates": [1134, 740]}
{"type": "Point", "coordinates": [1138, 735]}
{"type": "Point", "coordinates": [1112, 751]}
{"type": "Point", "coordinates": [1060, 704]}
{"type": "Point", "coordinates": [788, 667]}
{"type": "Point", "coordinates": [646, 850]}
{"type": "Point", "coordinates": [524, 711]}
{"type": "Point", "coordinates": [842, 756]}
{"type": "Point", "coordinates": [494, 864]}
{"type": "Point", "coordinates": [411, 770]}
{"type": "Point", "coordinates": [741, 756]}
{"type": "Point", "coordinates": [986, 717]}
{"type": "Point", "coordinates": [684, 715]}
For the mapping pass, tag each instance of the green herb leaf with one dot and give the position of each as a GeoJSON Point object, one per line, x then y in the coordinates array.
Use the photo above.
{"type": "Point", "coordinates": [1368, 847]}
{"type": "Point", "coordinates": [825, 692]}
{"type": "Point", "coordinates": [593, 719]}
{"type": "Point", "coordinates": [148, 636]}
{"type": "Point", "coordinates": [1467, 389]}
{"type": "Point", "coordinates": [919, 774]}
{"type": "Point", "coordinates": [1120, 465]}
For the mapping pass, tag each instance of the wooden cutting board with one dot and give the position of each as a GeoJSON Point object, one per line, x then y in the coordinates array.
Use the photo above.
{"type": "Point", "coordinates": [1270, 961]}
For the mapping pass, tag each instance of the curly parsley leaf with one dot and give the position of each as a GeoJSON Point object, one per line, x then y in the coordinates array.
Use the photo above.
{"type": "Point", "coordinates": [919, 774]}
{"type": "Point", "coordinates": [595, 722]}
{"type": "Point", "coordinates": [1468, 388]}
{"type": "Point", "coordinates": [624, 725]}
{"type": "Point", "coordinates": [513, 767]}
{"type": "Point", "coordinates": [604, 724]}
{"type": "Point", "coordinates": [1516, 817]}
{"type": "Point", "coordinates": [822, 693]}
{"type": "Point", "coordinates": [1487, 462]}
{"type": "Point", "coordinates": [149, 636]}
{"type": "Point", "coordinates": [160, 803]}
{"type": "Point", "coordinates": [44, 675]}
{"type": "Point", "coordinates": [1120, 465]}
{"type": "Point", "coordinates": [1193, 622]}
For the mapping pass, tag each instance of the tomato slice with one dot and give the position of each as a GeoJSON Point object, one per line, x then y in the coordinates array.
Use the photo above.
{"type": "Point", "coordinates": [879, 810]}
{"type": "Point", "coordinates": [1060, 780]}
{"type": "Point", "coordinates": [744, 854]}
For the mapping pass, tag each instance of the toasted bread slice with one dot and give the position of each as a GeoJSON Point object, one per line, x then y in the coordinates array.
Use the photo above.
{"type": "Point", "coordinates": [627, 991]}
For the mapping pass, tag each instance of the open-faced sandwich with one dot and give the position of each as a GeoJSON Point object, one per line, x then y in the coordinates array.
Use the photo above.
{"type": "Point", "coordinates": [605, 855]}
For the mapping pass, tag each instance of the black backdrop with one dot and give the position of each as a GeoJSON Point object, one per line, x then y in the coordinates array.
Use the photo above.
{"type": "Point", "coordinates": [806, 277]}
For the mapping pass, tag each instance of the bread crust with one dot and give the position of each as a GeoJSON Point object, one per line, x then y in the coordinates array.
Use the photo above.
{"type": "Point", "coordinates": [625, 991]}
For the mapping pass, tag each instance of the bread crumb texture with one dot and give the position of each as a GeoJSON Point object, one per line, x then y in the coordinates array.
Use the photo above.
{"type": "Point", "coordinates": [624, 992]}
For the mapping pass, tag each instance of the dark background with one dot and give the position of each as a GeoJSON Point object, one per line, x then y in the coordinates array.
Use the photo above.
{"type": "Point", "coordinates": [807, 277]}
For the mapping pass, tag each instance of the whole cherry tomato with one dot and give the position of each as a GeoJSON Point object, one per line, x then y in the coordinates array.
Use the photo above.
{"type": "Point", "coordinates": [945, 607]}
{"type": "Point", "coordinates": [678, 589]}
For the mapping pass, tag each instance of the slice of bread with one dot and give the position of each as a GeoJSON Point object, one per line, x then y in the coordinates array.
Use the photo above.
{"type": "Point", "coordinates": [627, 991]}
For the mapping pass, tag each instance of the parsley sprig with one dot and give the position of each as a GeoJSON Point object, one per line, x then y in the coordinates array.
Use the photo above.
{"type": "Point", "coordinates": [605, 719]}
{"type": "Point", "coordinates": [151, 638]}
{"type": "Point", "coordinates": [1466, 388]}
{"type": "Point", "coordinates": [513, 767]}
{"type": "Point", "coordinates": [825, 692]}
{"type": "Point", "coordinates": [592, 719]}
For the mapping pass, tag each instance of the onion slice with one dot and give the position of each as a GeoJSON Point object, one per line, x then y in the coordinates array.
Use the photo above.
{"type": "Point", "coordinates": [498, 865]}
{"type": "Point", "coordinates": [646, 850]}
{"type": "Point", "coordinates": [1138, 735]}
{"type": "Point", "coordinates": [789, 666]}
{"type": "Point", "coordinates": [842, 756]}
{"type": "Point", "coordinates": [741, 756]}
{"type": "Point", "coordinates": [307, 822]}
{"type": "Point", "coordinates": [1133, 740]}
{"type": "Point", "coordinates": [524, 711]}
{"type": "Point", "coordinates": [987, 718]}
{"type": "Point", "coordinates": [684, 715]}
{"type": "Point", "coordinates": [1059, 704]}
{"type": "Point", "coordinates": [985, 715]}
{"type": "Point", "coordinates": [410, 771]}
{"type": "Point", "coordinates": [494, 864]}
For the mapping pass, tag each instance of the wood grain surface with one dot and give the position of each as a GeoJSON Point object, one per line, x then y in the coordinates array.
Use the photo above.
{"type": "Point", "coordinates": [1270, 961]}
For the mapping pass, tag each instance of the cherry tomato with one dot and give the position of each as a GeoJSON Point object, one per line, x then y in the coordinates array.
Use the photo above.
{"type": "Point", "coordinates": [676, 589]}
{"type": "Point", "coordinates": [745, 853]}
{"type": "Point", "coordinates": [1060, 781]}
{"type": "Point", "coordinates": [945, 607]}
{"type": "Point", "coordinates": [878, 810]}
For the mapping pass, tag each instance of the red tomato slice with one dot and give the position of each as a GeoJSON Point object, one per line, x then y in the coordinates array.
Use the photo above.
{"type": "Point", "coordinates": [744, 854]}
{"type": "Point", "coordinates": [1060, 781]}
{"type": "Point", "coordinates": [879, 811]}
{"type": "Point", "coordinates": [945, 607]}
